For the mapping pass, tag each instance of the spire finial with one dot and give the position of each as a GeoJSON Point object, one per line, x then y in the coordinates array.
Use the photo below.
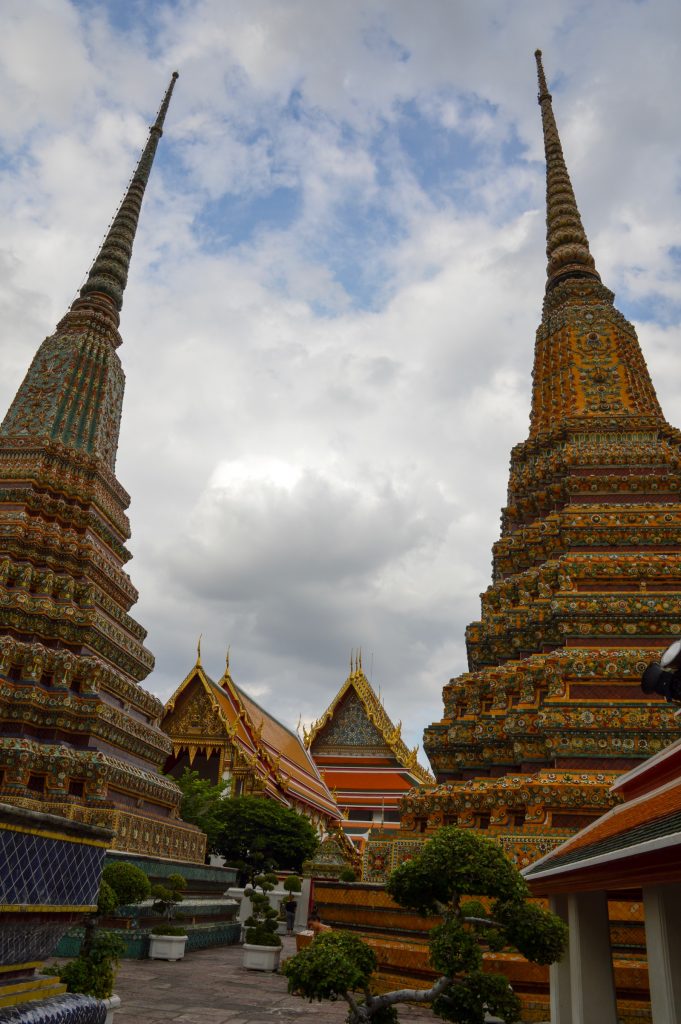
{"type": "Point", "coordinates": [198, 651]}
{"type": "Point", "coordinates": [567, 247]}
{"type": "Point", "coordinates": [229, 647]}
{"type": "Point", "coordinates": [109, 272]}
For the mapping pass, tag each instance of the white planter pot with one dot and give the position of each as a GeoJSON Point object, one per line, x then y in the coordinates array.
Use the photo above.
{"type": "Point", "coordinates": [167, 947]}
{"type": "Point", "coordinates": [261, 958]}
{"type": "Point", "coordinates": [112, 1004]}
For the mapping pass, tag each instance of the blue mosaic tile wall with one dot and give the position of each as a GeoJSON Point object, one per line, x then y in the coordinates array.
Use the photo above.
{"type": "Point", "coordinates": [38, 871]}
{"type": "Point", "coordinates": [66, 1009]}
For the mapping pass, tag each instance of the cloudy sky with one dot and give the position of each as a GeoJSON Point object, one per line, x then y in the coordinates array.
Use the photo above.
{"type": "Point", "coordinates": [330, 316]}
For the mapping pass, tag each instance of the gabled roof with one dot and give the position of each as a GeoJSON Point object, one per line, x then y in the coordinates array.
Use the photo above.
{"type": "Point", "coordinates": [276, 753]}
{"type": "Point", "coordinates": [633, 841]}
{"type": "Point", "coordinates": [390, 736]}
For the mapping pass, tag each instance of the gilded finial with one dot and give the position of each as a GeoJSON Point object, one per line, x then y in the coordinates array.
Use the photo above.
{"type": "Point", "coordinates": [198, 651]}
{"type": "Point", "coordinates": [108, 275]}
{"type": "Point", "coordinates": [567, 247]}
{"type": "Point", "coordinates": [360, 659]}
{"type": "Point", "coordinates": [229, 647]}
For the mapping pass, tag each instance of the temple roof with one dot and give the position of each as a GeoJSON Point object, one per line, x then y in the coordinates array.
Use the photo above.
{"type": "Point", "coordinates": [276, 753]}
{"type": "Point", "coordinates": [378, 729]}
{"type": "Point", "coordinates": [640, 837]}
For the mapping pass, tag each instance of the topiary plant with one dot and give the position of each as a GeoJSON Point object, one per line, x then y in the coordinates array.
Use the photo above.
{"type": "Point", "coordinates": [347, 875]}
{"type": "Point", "coordinates": [169, 895]}
{"type": "Point", "coordinates": [261, 925]}
{"type": "Point", "coordinates": [456, 863]}
{"type": "Point", "coordinates": [292, 884]}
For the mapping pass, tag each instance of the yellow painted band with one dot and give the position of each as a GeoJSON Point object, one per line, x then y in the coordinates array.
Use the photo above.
{"type": "Point", "coordinates": [30, 908]}
{"type": "Point", "coordinates": [55, 835]}
{"type": "Point", "coordinates": [29, 997]}
{"type": "Point", "coordinates": [20, 967]}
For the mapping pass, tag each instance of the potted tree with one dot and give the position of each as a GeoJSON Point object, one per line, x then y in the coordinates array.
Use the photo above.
{"type": "Point", "coordinates": [262, 948]}
{"type": "Point", "coordinates": [167, 941]}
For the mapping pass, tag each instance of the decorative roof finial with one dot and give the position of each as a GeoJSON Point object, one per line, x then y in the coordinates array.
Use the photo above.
{"type": "Point", "coordinates": [229, 647]}
{"type": "Point", "coordinates": [567, 247]}
{"type": "Point", "coordinates": [198, 652]}
{"type": "Point", "coordinates": [109, 272]}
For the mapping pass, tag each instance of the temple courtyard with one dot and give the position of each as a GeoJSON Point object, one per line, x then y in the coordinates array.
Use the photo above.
{"type": "Point", "coordinates": [211, 987]}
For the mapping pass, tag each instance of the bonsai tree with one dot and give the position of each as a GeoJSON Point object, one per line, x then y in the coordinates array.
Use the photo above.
{"type": "Point", "coordinates": [455, 864]}
{"type": "Point", "coordinates": [292, 884]}
{"type": "Point", "coordinates": [261, 925]}
{"type": "Point", "coordinates": [168, 896]}
{"type": "Point", "coordinates": [93, 972]}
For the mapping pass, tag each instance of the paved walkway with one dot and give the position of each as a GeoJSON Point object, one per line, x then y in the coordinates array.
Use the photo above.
{"type": "Point", "coordinates": [211, 987]}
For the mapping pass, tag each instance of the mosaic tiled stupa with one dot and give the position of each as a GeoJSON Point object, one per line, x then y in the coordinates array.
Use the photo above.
{"type": "Point", "coordinates": [586, 579]}
{"type": "Point", "coordinates": [79, 736]}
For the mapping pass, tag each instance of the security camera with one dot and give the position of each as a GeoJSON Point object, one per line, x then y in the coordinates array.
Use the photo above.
{"type": "Point", "coordinates": [665, 677]}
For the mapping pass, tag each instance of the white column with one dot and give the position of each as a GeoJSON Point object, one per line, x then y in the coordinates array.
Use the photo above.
{"type": "Point", "coordinates": [662, 906]}
{"type": "Point", "coordinates": [559, 973]}
{"type": "Point", "coordinates": [591, 973]}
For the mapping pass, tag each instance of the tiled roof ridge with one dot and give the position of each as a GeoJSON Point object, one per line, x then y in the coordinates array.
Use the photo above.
{"type": "Point", "coordinates": [377, 715]}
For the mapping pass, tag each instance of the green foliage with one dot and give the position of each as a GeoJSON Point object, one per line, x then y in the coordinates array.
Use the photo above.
{"type": "Point", "coordinates": [347, 875]}
{"type": "Point", "coordinates": [453, 864]}
{"type": "Point", "coordinates": [471, 999]}
{"type": "Point", "coordinates": [454, 948]}
{"type": "Point", "coordinates": [94, 973]}
{"type": "Point", "coordinates": [107, 901]}
{"type": "Point", "coordinates": [261, 834]}
{"type": "Point", "coordinates": [203, 805]}
{"type": "Point", "coordinates": [129, 883]}
{"type": "Point", "coordinates": [538, 934]}
{"type": "Point", "coordinates": [169, 895]}
{"type": "Point", "coordinates": [94, 970]}
{"type": "Point", "coordinates": [335, 963]}
{"type": "Point", "coordinates": [167, 929]}
{"type": "Point", "coordinates": [261, 924]}
{"type": "Point", "coordinates": [292, 884]}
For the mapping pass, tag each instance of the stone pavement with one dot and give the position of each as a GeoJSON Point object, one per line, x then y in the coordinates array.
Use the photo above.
{"type": "Point", "coordinates": [211, 987]}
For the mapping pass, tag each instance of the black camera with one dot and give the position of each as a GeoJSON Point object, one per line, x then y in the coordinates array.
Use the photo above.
{"type": "Point", "coordinates": [665, 678]}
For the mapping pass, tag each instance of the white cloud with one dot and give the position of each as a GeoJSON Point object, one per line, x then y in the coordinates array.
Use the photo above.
{"type": "Point", "coordinates": [320, 405]}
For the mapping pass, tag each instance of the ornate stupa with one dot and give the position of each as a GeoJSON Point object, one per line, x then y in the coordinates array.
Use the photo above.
{"type": "Point", "coordinates": [586, 576]}
{"type": "Point", "coordinates": [79, 736]}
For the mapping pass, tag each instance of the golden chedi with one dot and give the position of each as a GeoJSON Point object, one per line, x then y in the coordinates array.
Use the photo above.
{"type": "Point", "coordinates": [587, 575]}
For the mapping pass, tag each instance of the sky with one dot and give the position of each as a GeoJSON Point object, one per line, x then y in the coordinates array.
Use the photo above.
{"type": "Point", "coordinates": [329, 321]}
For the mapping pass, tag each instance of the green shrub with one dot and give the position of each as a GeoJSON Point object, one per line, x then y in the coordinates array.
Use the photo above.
{"type": "Point", "coordinates": [169, 895]}
{"type": "Point", "coordinates": [292, 884]}
{"type": "Point", "coordinates": [347, 875]}
{"type": "Point", "coordinates": [129, 883]}
{"type": "Point", "coordinates": [94, 974]}
{"type": "Point", "coordinates": [261, 925]}
{"type": "Point", "coordinates": [167, 929]}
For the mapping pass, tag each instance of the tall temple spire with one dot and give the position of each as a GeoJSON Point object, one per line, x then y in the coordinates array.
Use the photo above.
{"type": "Point", "coordinates": [78, 733]}
{"type": "Point", "coordinates": [109, 273]}
{"type": "Point", "coordinates": [567, 247]}
{"type": "Point", "coordinates": [73, 391]}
